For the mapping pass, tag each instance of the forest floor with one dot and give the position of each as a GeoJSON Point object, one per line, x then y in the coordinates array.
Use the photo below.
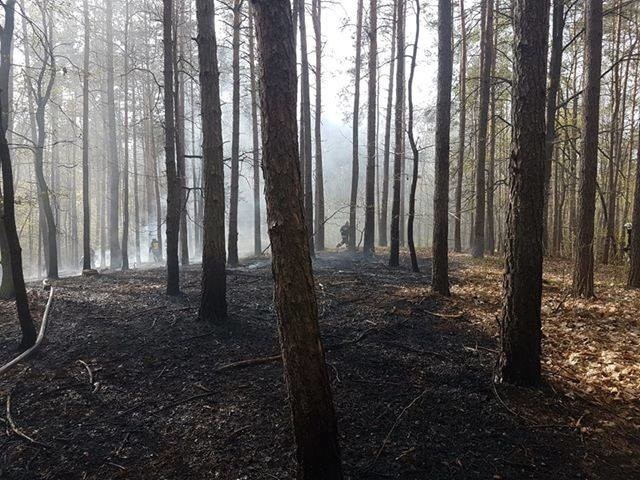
{"type": "Point", "coordinates": [129, 385]}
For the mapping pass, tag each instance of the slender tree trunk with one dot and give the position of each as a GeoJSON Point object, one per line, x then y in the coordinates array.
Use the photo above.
{"type": "Point", "coordinates": [305, 96]}
{"type": "Point", "coordinates": [314, 418]}
{"type": "Point", "coordinates": [8, 211]}
{"type": "Point", "coordinates": [457, 235]}
{"type": "Point", "coordinates": [440, 268]}
{"type": "Point", "coordinates": [490, 237]}
{"type": "Point", "coordinates": [478, 247]}
{"type": "Point", "coordinates": [86, 199]}
{"type": "Point", "coordinates": [520, 325]}
{"type": "Point", "coordinates": [114, 167]}
{"type": "Point", "coordinates": [555, 69]}
{"type": "Point", "coordinates": [235, 138]}
{"type": "Point", "coordinates": [125, 167]}
{"type": "Point", "coordinates": [180, 139]}
{"type": "Point", "coordinates": [372, 146]}
{"type": "Point", "coordinates": [355, 166]}
{"type": "Point", "coordinates": [384, 206]}
{"type": "Point", "coordinates": [316, 10]}
{"type": "Point", "coordinates": [398, 158]}
{"type": "Point", "coordinates": [583, 270]}
{"type": "Point", "coordinates": [213, 303]}
{"type": "Point", "coordinates": [136, 183]}
{"type": "Point", "coordinates": [173, 182]}
{"type": "Point", "coordinates": [414, 146]}
{"type": "Point", "coordinates": [257, 229]}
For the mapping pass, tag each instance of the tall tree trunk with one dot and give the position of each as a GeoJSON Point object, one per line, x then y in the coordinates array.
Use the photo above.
{"type": "Point", "coordinates": [583, 270]}
{"type": "Point", "coordinates": [414, 146]}
{"type": "Point", "coordinates": [478, 247]}
{"type": "Point", "coordinates": [86, 200]}
{"type": "Point", "coordinates": [8, 211]}
{"type": "Point", "coordinates": [114, 167]}
{"type": "Point", "coordinates": [489, 232]}
{"type": "Point", "coordinates": [355, 155]}
{"type": "Point", "coordinates": [555, 69]}
{"type": "Point", "coordinates": [520, 325]}
{"type": "Point", "coordinates": [7, 289]}
{"type": "Point", "coordinates": [125, 167]}
{"type": "Point", "coordinates": [180, 139]}
{"type": "Point", "coordinates": [305, 96]}
{"type": "Point", "coordinates": [173, 182]}
{"type": "Point", "coordinates": [257, 228]}
{"type": "Point", "coordinates": [398, 157]}
{"type": "Point", "coordinates": [136, 183]}
{"type": "Point", "coordinates": [316, 9]}
{"type": "Point", "coordinates": [383, 222]}
{"type": "Point", "coordinates": [372, 146]}
{"type": "Point", "coordinates": [213, 303]}
{"type": "Point", "coordinates": [314, 418]}
{"type": "Point", "coordinates": [457, 234]}
{"type": "Point", "coordinates": [235, 137]}
{"type": "Point", "coordinates": [440, 268]}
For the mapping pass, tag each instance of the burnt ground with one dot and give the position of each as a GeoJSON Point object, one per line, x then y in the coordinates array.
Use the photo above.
{"type": "Point", "coordinates": [127, 386]}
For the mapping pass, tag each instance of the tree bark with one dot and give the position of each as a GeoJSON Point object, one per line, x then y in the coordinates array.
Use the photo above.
{"type": "Point", "coordinates": [114, 167]}
{"type": "Point", "coordinates": [372, 146]}
{"type": "Point", "coordinates": [125, 167]}
{"type": "Point", "coordinates": [314, 418]}
{"type": "Point", "coordinates": [478, 247]}
{"type": "Point", "coordinates": [235, 137]}
{"type": "Point", "coordinates": [414, 146]}
{"type": "Point", "coordinates": [555, 70]}
{"type": "Point", "coordinates": [520, 325]}
{"type": "Point", "coordinates": [440, 268]}
{"type": "Point", "coordinates": [257, 228]}
{"type": "Point", "coordinates": [305, 104]}
{"type": "Point", "coordinates": [86, 200]}
{"type": "Point", "coordinates": [457, 234]}
{"type": "Point", "coordinates": [583, 269]}
{"type": "Point", "coordinates": [398, 158]}
{"type": "Point", "coordinates": [8, 211]}
{"type": "Point", "coordinates": [383, 223]}
{"type": "Point", "coordinates": [213, 303]}
{"type": "Point", "coordinates": [316, 9]}
{"type": "Point", "coordinates": [173, 185]}
{"type": "Point", "coordinates": [355, 166]}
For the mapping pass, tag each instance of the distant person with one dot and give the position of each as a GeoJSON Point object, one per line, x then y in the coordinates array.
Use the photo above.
{"type": "Point", "coordinates": [154, 250]}
{"type": "Point", "coordinates": [344, 233]}
{"type": "Point", "coordinates": [628, 227]}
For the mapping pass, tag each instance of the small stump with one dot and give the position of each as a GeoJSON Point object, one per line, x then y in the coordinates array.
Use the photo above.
{"type": "Point", "coordinates": [90, 273]}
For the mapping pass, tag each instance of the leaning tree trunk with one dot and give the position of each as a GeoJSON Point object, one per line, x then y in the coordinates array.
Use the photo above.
{"type": "Point", "coordinates": [213, 303]}
{"type": "Point", "coordinates": [235, 137]}
{"type": "Point", "coordinates": [440, 268]}
{"type": "Point", "coordinates": [372, 146]}
{"type": "Point", "coordinates": [383, 222]}
{"type": "Point", "coordinates": [583, 269]}
{"type": "Point", "coordinates": [478, 246]}
{"type": "Point", "coordinates": [8, 212]}
{"type": "Point", "coordinates": [173, 185]}
{"type": "Point", "coordinates": [457, 234]}
{"type": "Point", "coordinates": [520, 326]}
{"type": "Point", "coordinates": [355, 133]}
{"type": "Point", "coordinates": [314, 418]}
{"type": "Point", "coordinates": [398, 157]}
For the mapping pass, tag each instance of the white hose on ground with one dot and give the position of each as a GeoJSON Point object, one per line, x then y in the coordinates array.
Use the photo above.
{"type": "Point", "coordinates": [43, 327]}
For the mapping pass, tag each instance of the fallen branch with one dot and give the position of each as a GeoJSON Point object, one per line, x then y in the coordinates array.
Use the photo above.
{"type": "Point", "coordinates": [396, 423]}
{"type": "Point", "coordinates": [88, 371]}
{"type": "Point", "coordinates": [252, 361]}
{"type": "Point", "coordinates": [43, 328]}
{"type": "Point", "coordinates": [456, 316]}
{"type": "Point", "coordinates": [16, 430]}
